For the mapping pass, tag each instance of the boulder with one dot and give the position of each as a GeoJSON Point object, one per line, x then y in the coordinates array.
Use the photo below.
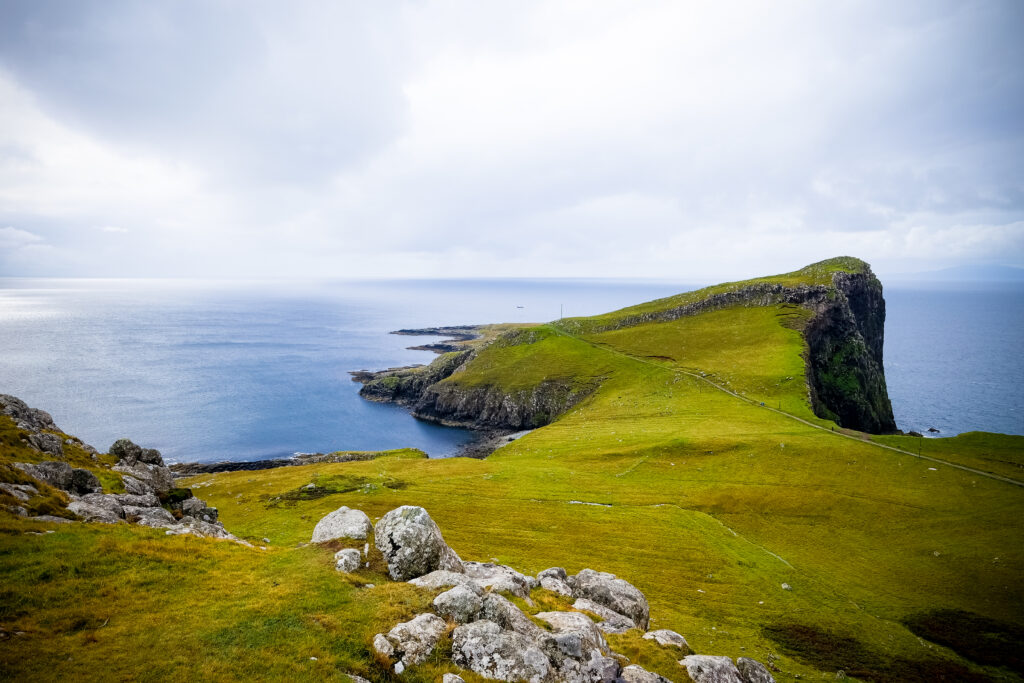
{"type": "Point", "coordinates": [614, 593]}
{"type": "Point", "coordinates": [46, 443]}
{"type": "Point", "coordinates": [412, 544]}
{"type": "Point", "coordinates": [97, 507]}
{"type": "Point", "coordinates": [509, 617]}
{"type": "Point", "coordinates": [500, 578]}
{"type": "Point", "coordinates": [194, 507]}
{"type": "Point", "coordinates": [136, 487]}
{"type": "Point", "coordinates": [667, 638]}
{"type": "Point", "coordinates": [636, 674]}
{"type": "Point", "coordinates": [154, 517]}
{"type": "Point", "coordinates": [555, 580]}
{"type": "Point", "coordinates": [753, 671]}
{"type": "Point", "coordinates": [197, 527]}
{"type": "Point", "coordinates": [84, 481]}
{"type": "Point", "coordinates": [22, 492]}
{"type": "Point", "coordinates": [445, 579]}
{"type": "Point", "coordinates": [452, 678]}
{"type": "Point", "coordinates": [575, 634]}
{"type": "Point", "coordinates": [708, 669]}
{"type": "Point", "coordinates": [56, 474]}
{"type": "Point", "coordinates": [50, 518]}
{"type": "Point", "coordinates": [613, 622]}
{"type": "Point", "coordinates": [347, 560]}
{"type": "Point", "coordinates": [28, 419]}
{"type": "Point", "coordinates": [412, 641]}
{"type": "Point", "coordinates": [484, 648]}
{"type": "Point", "coordinates": [342, 523]}
{"type": "Point", "coordinates": [459, 604]}
{"type": "Point", "coordinates": [129, 454]}
{"type": "Point", "coordinates": [140, 501]}
{"type": "Point", "coordinates": [156, 478]}
{"type": "Point", "coordinates": [382, 646]}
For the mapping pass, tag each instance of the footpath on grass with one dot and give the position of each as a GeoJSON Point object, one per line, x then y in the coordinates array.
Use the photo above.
{"type": "Point", "coordinates": [763, 406]}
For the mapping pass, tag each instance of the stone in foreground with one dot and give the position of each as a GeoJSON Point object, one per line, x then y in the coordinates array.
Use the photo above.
{"type": "Point", "coordinates": [483, 647]}
{"type": "Point", "coordinates": [636, 674]}
{"type": "Point", "coordinates": [460, 604]}
{"type": "Point", "coordinates": [412, 641]}
{"type": "Point", "coordinates": [614, 593]}
{"type": "Point", "coordinates": [342, 523]}
{"type": "Point", "coordinates": [412, 544]}
{"type": "Point", "coordinates": [613, 622]}
{"type": "Point", "coordinates": [753, 671]}
{"type": "Point", "coordinates": [347, 560]}
{"type": "Point", "coordinates": [667, 638]}
{"type": "Point", "coordinates": [708, 669]}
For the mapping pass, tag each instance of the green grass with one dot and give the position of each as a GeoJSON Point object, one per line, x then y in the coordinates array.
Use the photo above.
{"type": "Point", "coordinates": [706, 502]}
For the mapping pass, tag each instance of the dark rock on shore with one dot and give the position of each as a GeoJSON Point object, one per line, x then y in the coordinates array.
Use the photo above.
{"type": "Point", "coordinates": [188, 469]}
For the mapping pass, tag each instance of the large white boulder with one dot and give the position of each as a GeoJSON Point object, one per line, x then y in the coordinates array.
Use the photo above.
{"type": "Point", "coordinates": [487, 649]}
{"type": "Point", "coordinates": [342, 523]}
{"type": "Point", "coordinates": [412, 544]}
{"type": "Point", "coordinates": [614, 593]}
{"type": "Point", "coordinates": [708, 669]}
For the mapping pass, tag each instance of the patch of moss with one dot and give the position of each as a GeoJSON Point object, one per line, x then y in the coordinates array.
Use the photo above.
{"type": "Point", "coordinates": [979, 639]}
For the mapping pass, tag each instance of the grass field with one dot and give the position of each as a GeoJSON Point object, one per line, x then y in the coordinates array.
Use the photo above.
{"type": "Point", "coordinates": [898, 568]}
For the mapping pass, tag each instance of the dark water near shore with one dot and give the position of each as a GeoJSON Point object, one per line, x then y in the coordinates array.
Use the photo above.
{"type": "Point", "coordinates": [213, 371]}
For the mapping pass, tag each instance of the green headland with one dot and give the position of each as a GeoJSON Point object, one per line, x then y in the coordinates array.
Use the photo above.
{"type": "Point", "coordinates": [731, 452]}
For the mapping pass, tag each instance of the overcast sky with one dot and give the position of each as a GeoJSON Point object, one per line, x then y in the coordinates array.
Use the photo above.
{"type": "Point", "coordinates": [639, 139]}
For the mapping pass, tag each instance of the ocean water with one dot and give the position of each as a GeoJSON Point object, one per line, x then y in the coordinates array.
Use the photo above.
{"type": "Point", "coordinates": [208, 371]}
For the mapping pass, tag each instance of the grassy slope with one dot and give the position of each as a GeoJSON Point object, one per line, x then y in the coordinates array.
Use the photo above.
{"type": "Point", "coordinates": [708, 504]}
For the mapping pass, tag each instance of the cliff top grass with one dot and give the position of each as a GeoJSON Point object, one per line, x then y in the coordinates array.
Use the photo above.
{"type": "Point", "coordinates": [707, 501]}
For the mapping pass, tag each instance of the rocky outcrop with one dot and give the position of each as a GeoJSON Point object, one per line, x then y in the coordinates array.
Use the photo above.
{"type": "Point", "coordinates": [27, 419]}
{"type": "Point", "coordinates": [707, 669]}
{"type": "Point", "coordinates": [616, 594]}
{"type": "Point", "coordinates": [411, 642]}
{"type": "Point", "coordinates": [487, 649]}
{"type": "Point", "coordinates": [412, 544]}
{"type": "Point", "coordinates": [342, 523]}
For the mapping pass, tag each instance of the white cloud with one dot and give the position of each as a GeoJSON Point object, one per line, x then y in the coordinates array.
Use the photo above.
{"type": "Point", "coordinates": [114, 228]}
{"type": "Point", "coordinates": [13, 238]}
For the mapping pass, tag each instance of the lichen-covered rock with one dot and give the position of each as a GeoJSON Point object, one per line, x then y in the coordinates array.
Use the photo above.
{"type": "Point", "coordinates": [575, 634]}
{"type": "Point", "coordinates": [667, 638]}
{"type": "Point", "coordinates": [636, 674]}
{"type": "Point", "coordinates": [23, 492]}
{"type": "Point", "coordinates": [84, 481]}
{"type": "Point", "coordinates": [753, 671]}
{"type": "Point", "coordinates": [460, 604]}
{"type": "Point", "coordinates": [613, 622]}
{"type": "Point", "coordinates": [452, 678]}
{"type": "Point", "coordinates": [46, 443]}
{"type": "Point", "coordinates": [347, 560]}
{"type": "Point", "coordinates": [140, 501]}
{"type": "Point", "coordinates": [485, 648]}
{"type": "Point", "coordinates": [413, 640]}
{"type": "Point", "coordinates": [342, 523]}
{"type": "Point", "coordinates": [154, 517]}
{"type": "Point", "coordinates": [97, 507]}
{"type": "Point", "coordinates": [194, 507]}
{"type": "Point", "coordinates": [509, 617]}
{"type": "Point", "coordinates": [412, 544]}
{"type": "Point", "coordinates": [708, 669]}
{"type": "Point", "coordinates": [555, 580]}
{"type": "Point", "coordinates": [592, 668]}
{"type": "Point", "coordinates": [29, 419]}
{"type": "Point", "coordinates": [155, 478]}
{"type": "Point", "coordinates": [128, 453]}
{"type": "Point", "coordinates": [499, 578]}
{"type": "Point", "coordinates": [442, 578]}
{"type": "Point", "coordinates": [614, 593]}
{"type": "Point", "coordinates": [56, 474]}
{"type": "Point", "coordinates": [136, 487]}
{"type": "Point", "coordinates": [382, 646]}
{"type": "Point", "coordinates": [197, 527]}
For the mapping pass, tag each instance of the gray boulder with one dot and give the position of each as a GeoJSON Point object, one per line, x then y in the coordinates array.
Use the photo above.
{"type": "Point", "coordinates": [382, 646]}
{"type": "Point", "coordinates": [136, 487]}
{"type": "Point", "coordinates": [575, 634]}
{"type": "Point", "coordinates": [460, 604]}
{"type": "Point", "coordinates": [50, 518]}
{"type": "Point", "coordinates": [636, 674]}
{"type": "Point", "coordinates": [342, 523]}
{"type": "Point", "coordinates": [613, 622]}
{"type": "Point", "coordinates": [46, 443]}
{"type": "Point", "coordinates": [442, 578]}
{"type": "Point", "coordinates": [555, 580]}
{"type": "Point", "coordinates": [347, 560]}
{"type": "Point", "coordinates": [140, 501]}
{"type": "Point", "coordinates": [708, 669]}
{"type": "Point", "coordinates": [452, 678]}
{"type": "Point", "coordinates": [412, 544]}
{"type": "Point", "coordinates": [614, 593]}
{"type": "Point", "coordinates": [483, 647]}
{"type": "Point", "coordinates": [154, 517]}
{"type": "Point", "coordinates": [56, 474]}
{"type": "Point", "coordinates": [197, 527]}
{"type": "Point", "coordinates": [97, 507]}
{"type": "Point", "coordinates": [29, 419]}
{"type": "Point", "coordinates": [129, 454]}
{"type": "Point", "coordinates": [84, 481]}
{"type": "Point", "coordinates": [156, 478]}
{"type": "Point", "coordinates": [500, 578]}
{"type": "Point", "coordinates": [194, 507]}
{"type": "Point", "coordinates": [23, 492]}
{"type": "Point", "coordinates": [753, 671]}
{"type": "Point", "coordinates": [412, 641]}
{"type": "Point", "coordinates": [592, 668]}
{"type": "Point", "coordinates": [667, 638]}
{"type": "Point", "coordinates": [509, 617]}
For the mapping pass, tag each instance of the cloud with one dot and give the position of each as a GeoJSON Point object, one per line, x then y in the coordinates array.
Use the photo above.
{"type": "Point", "coordinates": [530, 138]}
{"type": "Point", "coordinates": [13, 238]}
{"type": "Point", "coordinates": [114, 228]}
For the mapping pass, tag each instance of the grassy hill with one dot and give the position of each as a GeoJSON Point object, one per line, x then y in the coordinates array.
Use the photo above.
{"type": "Point", "coordinates": [695, 467]}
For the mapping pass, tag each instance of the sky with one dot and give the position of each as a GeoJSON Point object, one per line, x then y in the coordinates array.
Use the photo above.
{"type": "Point", "coordinates": [679, 140]}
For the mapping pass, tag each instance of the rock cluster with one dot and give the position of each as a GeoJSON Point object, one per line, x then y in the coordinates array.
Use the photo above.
{"type": "Point", "coordinates": [495, 639]}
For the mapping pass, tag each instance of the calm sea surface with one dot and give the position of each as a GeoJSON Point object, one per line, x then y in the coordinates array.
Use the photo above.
{"type": "Point", "coordinates": [210, 371]}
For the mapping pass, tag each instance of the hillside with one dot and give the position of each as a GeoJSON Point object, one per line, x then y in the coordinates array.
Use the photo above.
{"type": "Point", "coordinates": [679, 447]}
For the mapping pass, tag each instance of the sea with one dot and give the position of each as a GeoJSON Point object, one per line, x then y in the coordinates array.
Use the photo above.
{"type": "Point", "coordinates": [207, 371]}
